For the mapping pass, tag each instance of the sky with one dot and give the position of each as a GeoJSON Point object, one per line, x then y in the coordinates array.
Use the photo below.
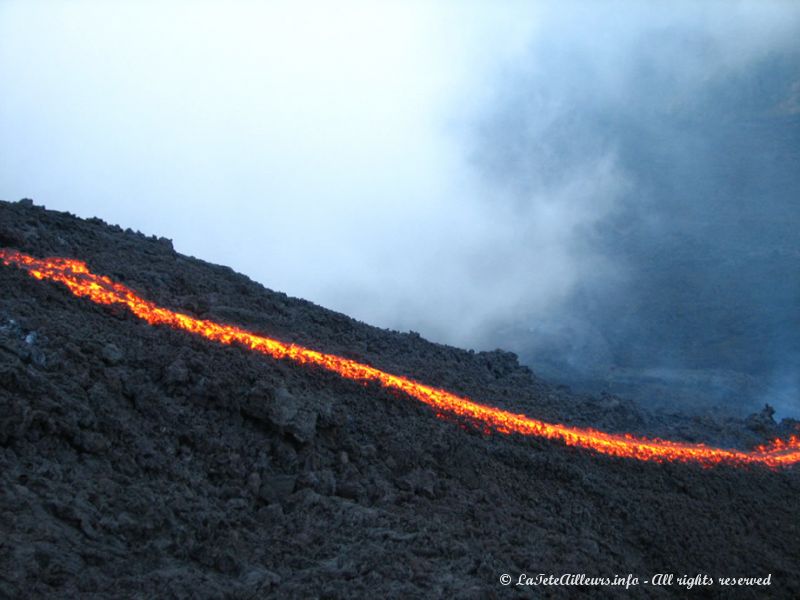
{"type": "Point", "coordinates": [604, 186]}
{"type": "Point", "coordinates": [313, 146]}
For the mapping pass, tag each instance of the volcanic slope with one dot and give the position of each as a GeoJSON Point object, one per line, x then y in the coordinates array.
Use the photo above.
{"type": "Point", "coordinates": [139, 461]}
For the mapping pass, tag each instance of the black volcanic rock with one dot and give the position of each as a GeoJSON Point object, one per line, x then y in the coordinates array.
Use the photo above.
{"type": "Point", "coordinates": [138, 461]}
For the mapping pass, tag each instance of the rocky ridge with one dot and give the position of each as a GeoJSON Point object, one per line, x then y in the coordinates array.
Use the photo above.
{"type": "Point", "coordinates": [136, 461]}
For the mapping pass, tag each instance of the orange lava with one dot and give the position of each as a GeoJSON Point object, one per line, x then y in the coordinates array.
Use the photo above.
{"type": "Point", "coordinates": [102, 290]}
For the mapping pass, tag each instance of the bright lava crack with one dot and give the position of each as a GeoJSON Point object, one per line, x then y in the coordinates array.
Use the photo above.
{"type": "Point", "coordinates": [102, 290]}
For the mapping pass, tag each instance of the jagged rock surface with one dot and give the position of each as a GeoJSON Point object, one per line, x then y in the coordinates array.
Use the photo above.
{"type": "Point", "coordinates": [137, 461]}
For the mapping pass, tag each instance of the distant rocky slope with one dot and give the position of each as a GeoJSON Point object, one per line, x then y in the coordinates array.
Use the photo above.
{"type": "Point", "coordinates": [137, 461]}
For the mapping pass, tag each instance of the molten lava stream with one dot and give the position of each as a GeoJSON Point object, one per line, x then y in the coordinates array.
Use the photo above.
{"type": "Point", "coordinates": [100, 289]}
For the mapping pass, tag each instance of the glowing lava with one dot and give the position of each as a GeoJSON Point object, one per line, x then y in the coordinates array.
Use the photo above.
{"type": "Point", "coordinates": [102, 290]}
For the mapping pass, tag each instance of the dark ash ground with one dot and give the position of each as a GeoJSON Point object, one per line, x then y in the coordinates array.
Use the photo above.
{"type": "Point", "coordinates": [140, 462]}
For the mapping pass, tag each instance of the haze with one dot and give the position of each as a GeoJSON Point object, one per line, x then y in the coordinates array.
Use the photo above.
{"type": "Point", "coordinates": [608, 189]}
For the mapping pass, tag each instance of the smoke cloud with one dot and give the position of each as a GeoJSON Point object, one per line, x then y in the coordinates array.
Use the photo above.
{"type": "Point", "coordinates": [696, 109]}
{"type": "Point", "coordinates": [608, 189]}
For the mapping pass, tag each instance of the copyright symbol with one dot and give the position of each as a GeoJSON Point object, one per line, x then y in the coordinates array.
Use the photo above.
{"type": "Point", "coordinates": [505, 578]}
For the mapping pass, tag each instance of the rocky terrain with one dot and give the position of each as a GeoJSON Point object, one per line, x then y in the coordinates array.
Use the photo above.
{"type": "Point", "coordinates": [141, 462]}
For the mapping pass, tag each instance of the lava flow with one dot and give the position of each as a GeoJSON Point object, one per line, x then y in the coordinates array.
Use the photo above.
{"type": "Point", "coordinates": [102, 290]}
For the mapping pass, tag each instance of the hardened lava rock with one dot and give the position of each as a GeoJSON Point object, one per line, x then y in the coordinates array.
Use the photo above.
{"type": "Point", "coordinates": [139, 461]}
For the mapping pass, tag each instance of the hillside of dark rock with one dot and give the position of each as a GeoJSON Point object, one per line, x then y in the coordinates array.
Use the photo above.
{"type": "Point", "coordinates": [142, 462]}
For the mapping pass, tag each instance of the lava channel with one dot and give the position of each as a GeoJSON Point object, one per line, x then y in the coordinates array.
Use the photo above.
{"type": "Point", "coordinates": [102, 290]}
